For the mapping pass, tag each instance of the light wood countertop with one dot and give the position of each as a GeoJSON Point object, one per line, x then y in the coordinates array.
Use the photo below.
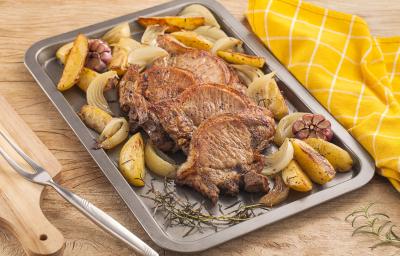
{"type": "Point", "coordinates": [319, 231]}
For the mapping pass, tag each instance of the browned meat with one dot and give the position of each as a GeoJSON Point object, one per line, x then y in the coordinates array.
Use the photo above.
{"type": "Point", "coordinates": [137, 92]}
{"type": "Point", "coordinates": [127, 87]}
{"type": "Point", "coordinates": [180, 116]}
{"type": "Point", "coordinates": [206, 67]}
{"type": "Point", "coordinates": [255, 182]}
{"type": "Point", "coordinates": [160, 83]}
{"type": "Point", "coordinates": [224, 152]}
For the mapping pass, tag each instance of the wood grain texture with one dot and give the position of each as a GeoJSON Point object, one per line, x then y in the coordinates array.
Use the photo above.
{"type": "Point", "coordinates": [319, 231]}
{"type": "Point", "coordinates": [20, 199]}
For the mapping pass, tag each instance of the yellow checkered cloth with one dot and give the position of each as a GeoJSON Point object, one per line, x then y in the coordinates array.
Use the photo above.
{"type": "Point", "coordinates": [354, 75]}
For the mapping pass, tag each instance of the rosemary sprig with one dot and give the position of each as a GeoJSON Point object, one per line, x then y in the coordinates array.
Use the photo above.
{"type": "Point", "coordinates": [180, 211]}
{"type": "Point", "coordinates": [377, 224]}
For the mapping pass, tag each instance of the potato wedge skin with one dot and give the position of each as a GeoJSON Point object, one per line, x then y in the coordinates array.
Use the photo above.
{"type": "Point", "coordinates": [295, 178]}
{"type": "Point", "coordinates": [74, 63]}
{"type": "Point", "coordinates": [241, 58]}
{"type": "Point", "coordinates": [131, 161]}
{"type": "Point", "coordinates": [63, 51]}
{"type": "Point", "coordinates": [174, 23]}
{"type": "Point", "coordinates": [87, 75]}
{"type": "Point", "coordinates": [278, 104]}
{"type": "Point", "coordinates": [314, 165]}
{"type": "Point", "coordinates": [191, 39]}
{"type": "Point", "coordinates": [339, 158]}
{"type": "Point", "coordinates": [94, 117]}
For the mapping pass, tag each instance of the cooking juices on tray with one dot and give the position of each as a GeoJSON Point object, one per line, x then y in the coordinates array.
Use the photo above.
{"type": "Point", "coordinates": [191, 88]}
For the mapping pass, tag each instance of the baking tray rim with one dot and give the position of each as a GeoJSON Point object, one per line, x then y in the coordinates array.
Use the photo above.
{"type": "Point", "coordinates": [127, 193]}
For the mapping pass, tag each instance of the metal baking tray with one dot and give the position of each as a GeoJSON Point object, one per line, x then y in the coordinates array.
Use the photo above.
{"type": "Point", "coordinates": [40, 61]}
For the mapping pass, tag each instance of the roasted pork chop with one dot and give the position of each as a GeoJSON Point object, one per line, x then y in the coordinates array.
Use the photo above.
{"type": "Point", "coordinates": [126, 87]}
{"type": "Point", "coordinates": [138, 91]}
{"type": "Point", "coordinates": [205, 66]}
{"type": "Point", "coordinates": [160, 83]}
{"type": "Point", "coordinates": [224, 153]}
{"type": "Point", "coordinates": [180, 116]}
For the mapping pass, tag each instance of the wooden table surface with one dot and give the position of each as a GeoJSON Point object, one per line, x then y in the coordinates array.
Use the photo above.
{"type": "Point", "coordinates": [319, 231]}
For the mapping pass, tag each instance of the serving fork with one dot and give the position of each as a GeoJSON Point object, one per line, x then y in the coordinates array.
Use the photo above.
{"type": "Point", "coordinates": [103, 220]}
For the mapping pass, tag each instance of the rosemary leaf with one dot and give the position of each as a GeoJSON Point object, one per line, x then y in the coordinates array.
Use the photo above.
{"type": "Point", "coordinates": [352, 214]}
{"type": "Point", "coordinates": [380, 214]}
{"type": "Point", "coordinates": [180, 211]}
{"type": "Point", "coordinates": [378, 224]}
{"type": "Point", "coordinates": [360, 230]}
{"type": "Point", "coordinates": [355, 218]}
{"type": "Point", "coordinates": [383, 243]}
{"type": "Point", "coordinates": [392, 232]}
{"type": "Point", "coordinates": [383, 226]}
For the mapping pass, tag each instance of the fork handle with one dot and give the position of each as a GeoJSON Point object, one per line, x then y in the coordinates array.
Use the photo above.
{"type": "Point", "coordinates": [104, 221]}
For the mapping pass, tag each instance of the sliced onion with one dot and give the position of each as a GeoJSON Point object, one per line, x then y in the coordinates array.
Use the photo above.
{"type": "Point", "coordinates": [284, 128]}
{"type": "Point", "coordinates": [158, 162]}
{"type": "Point", "coordinates": [95, 92]}
{"type": "Point", "coordinates": [146, 55]}
{"type": "Point", "coordinates": [151, 33]}
{"type": "Point", "coordinates": [278, 160]}
{"type": "Point", "coordinates": [128, 44]}
{"type": "Point", "coordinates": [200, 10]}
{"type": "Point", "coordinates": [211, 33]}
{"type": "Point", "coordinates": [115, 34]}
{"type": "Point", "coordinates": [115, 132]}
{"type": "Point", "coordinates": [247, 73]}
{"type": "Point", "coordinates": [226, 43]}
{"type": "Point", "coordinates": [278, 194]}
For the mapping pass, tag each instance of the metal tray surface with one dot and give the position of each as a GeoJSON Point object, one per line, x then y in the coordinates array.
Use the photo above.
{"type": "Point", "coordinates": [41, 62]}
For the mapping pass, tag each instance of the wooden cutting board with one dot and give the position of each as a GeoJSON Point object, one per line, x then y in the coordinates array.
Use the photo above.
{"type": "Point", "coordinates": [20, 211]}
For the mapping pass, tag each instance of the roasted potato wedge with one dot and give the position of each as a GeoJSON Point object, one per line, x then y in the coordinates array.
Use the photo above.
{"type": "Point", "coordinates": [199, 10]}
{"type": "Point", "coordinates": [74, 63]}
{"type": "Point", "coordinates": [86, 77]}
{"type": "Point", "coordinates": [158, 162]}
{"type": "Point", "coordinates": [131, 161]}
{"type": "Point", "coordinates": [277, 195]}
{"type": "Point", "coordinates": [241, 58]}
{"type": "Point", "coordinates": [191, 39]}
{"type": "Point", "coordinates": [174, 23]}
{"type": "Point", "coordinates": [295, 178]}
{"type": "Point", "coordinates": [265, 92]}
{"type": "Point", "coordinates": [115, 34]}
{"type": "Point", "coordinates": [63, 51]}
{"type": "Point", "coordinates": [339, 158]}
{"type": "Point", "coordinates": [314, 164]}
{"type": "Point", "coordinates": [94, 117]}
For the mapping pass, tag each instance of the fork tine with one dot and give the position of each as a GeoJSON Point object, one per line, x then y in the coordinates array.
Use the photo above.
{"type": "Point", "coordinates": [29, 160]}
{"type": "Point", "coordinates": [16, 166]}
